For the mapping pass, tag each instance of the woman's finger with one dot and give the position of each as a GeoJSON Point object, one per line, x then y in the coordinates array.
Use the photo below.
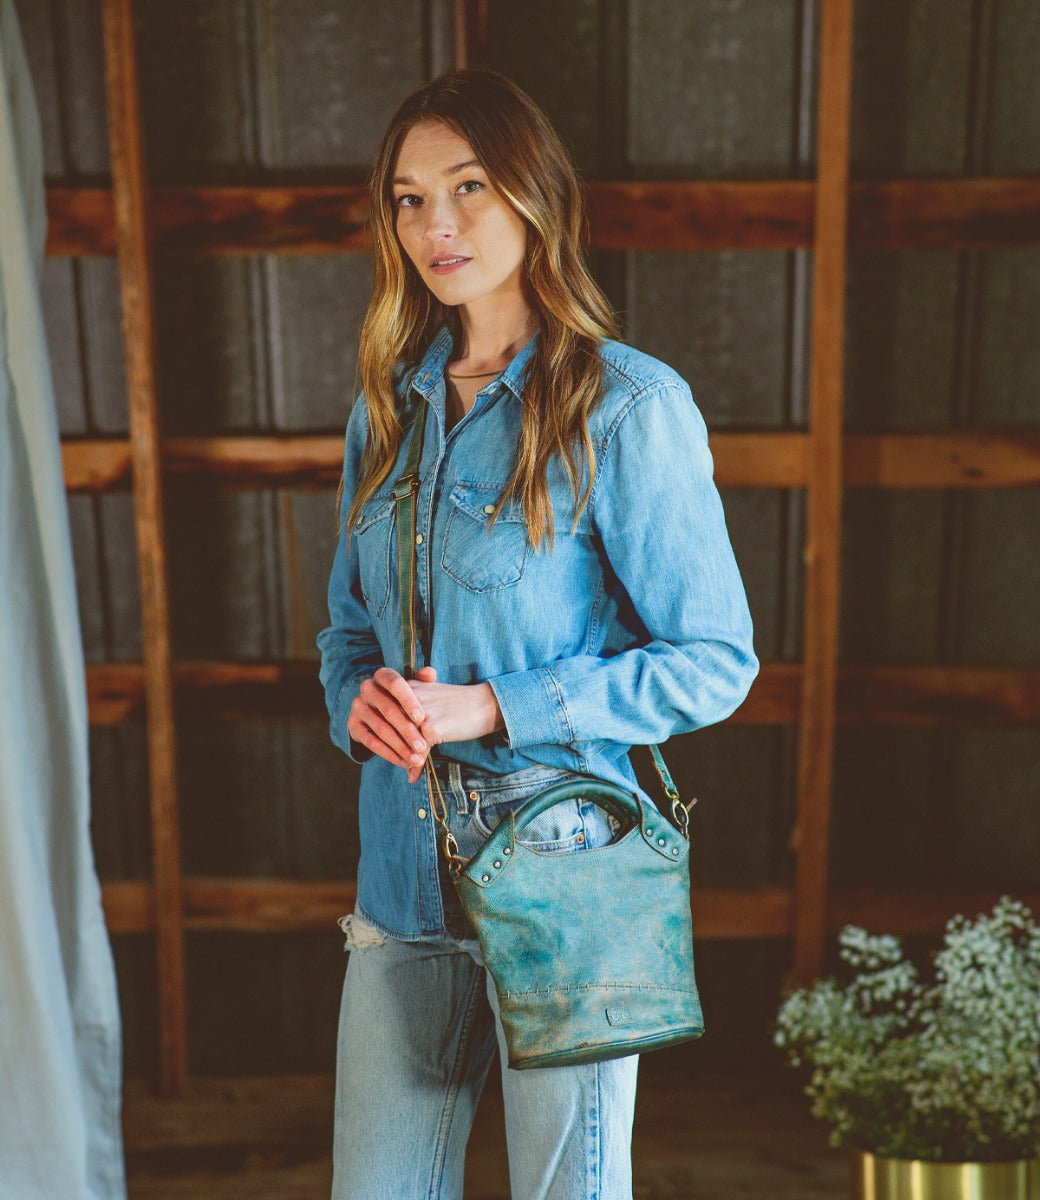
{"type": "Point", "coordinates": [364, 736]}
{"type": "Point", "coordinates": [377, 699]}
{"type": "Point", "coordinates": [396, 684]}
{"type": "Point", "coordinates": [368, 738]}
{"type": "Point", "coordinates": [383, 730]}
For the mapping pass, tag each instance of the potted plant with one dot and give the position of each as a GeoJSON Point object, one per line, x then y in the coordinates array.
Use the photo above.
{"type": "Point", "coordinates": [935, 1082]}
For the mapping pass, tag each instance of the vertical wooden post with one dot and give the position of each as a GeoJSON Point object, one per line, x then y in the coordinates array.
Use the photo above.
{"type": "Point", "coordinates": [471, 32]}
{"type": "Point", "coordinates": [134, 249]}
{"type": "Point", "coordinates": [823, 549]}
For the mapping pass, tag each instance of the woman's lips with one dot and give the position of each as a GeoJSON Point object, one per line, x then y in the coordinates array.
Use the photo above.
{"type": "Point", "coordinates": [445, 266]}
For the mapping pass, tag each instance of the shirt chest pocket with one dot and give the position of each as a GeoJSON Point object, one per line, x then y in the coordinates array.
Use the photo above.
{"type": "Point", "coordinates": [373, 531]}
{"type": "Point", "coordinates": [478, 555]}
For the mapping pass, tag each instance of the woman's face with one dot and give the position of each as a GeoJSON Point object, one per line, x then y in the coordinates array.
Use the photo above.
{"type": "Point", "coordinates": [465, 240]}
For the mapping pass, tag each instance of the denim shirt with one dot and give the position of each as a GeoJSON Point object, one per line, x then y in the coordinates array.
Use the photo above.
{"type": "Point", "coordinates": [631, 627]}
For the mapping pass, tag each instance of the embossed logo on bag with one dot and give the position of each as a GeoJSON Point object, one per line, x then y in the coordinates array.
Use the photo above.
{"type": "Point", "coordinates": [619, 1016]}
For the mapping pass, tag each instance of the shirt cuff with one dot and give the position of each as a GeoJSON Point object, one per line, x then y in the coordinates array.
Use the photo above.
{"type": "Point", "coordinates": [532, 708]}
{"type": "Point", "coordinates": [338, 722]}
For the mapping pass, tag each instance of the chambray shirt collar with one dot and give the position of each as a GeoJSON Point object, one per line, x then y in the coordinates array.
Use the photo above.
{"type": "Point", "coordinates": [429, 372]}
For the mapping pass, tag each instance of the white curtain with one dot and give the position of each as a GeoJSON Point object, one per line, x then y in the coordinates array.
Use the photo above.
{"type": "Point", "coordinates": [60, 1048]}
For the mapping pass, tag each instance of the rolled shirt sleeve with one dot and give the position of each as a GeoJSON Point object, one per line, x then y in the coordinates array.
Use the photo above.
{"type": "Point", "coordinates": [659, 516]}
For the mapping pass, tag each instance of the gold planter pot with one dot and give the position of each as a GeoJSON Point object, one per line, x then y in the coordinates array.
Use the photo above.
{"type": "Point", "coordinates": [880, 1178]}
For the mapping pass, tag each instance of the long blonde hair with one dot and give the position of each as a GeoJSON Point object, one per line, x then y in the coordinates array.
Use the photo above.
{"type": "Point", "coordinates": [527, 164]}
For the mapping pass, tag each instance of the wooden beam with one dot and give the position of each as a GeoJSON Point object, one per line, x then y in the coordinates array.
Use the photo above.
{"type": "Point", "coordinates": [96, 464]}
{"type": "Point", "coordinates": [889, 460]}
{"type": "Point", "coordinates": [965, 214]}
{"type": "Point", "coordinates": [129, 907]}
{"type": "Point", "coordinates": [907, 913]}
{"type": "Point", "coordinates": [281, 905]}
{"type": "Point", "coordinates": [625, 215]}
{"type": "Point", "coordinates": [286, 689]}
{"type": "Point", "coordinates": [811, 837]}
{"type": "Point", "coordinates": [777, 460]}
{"type": "Point", "coordinates": [774, 697]}
{"type": "Point", "coordinates": [940, 697]}
{"type": "Point", "coordinates": [943, 460]}
{"type": "Point", "coordinates": [266, 905]}
{"type": "Point", "coordinates": [115, 693]}
{"type": "Point", "coordinates": [133, 241]}
{"type": "Point", "coordinates": [710, 215]}
{"type": "Point", "coordinates": [271, 460]}
{"type": "Point", "coordinates": [471, 33]}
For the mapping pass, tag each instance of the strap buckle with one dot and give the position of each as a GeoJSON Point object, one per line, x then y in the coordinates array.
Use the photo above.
{"type": "Point", "coordinates": [406, 486]}
{"type": "Point", "coordinates": [681, 814]}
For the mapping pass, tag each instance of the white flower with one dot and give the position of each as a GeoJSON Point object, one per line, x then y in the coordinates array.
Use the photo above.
{"type": "Point", "coordinates": [950, 1069]}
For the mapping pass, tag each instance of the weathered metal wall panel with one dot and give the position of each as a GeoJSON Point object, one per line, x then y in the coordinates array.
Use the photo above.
{"type": "Point", "coordinates": [714, 88]}
{"type": "Point", "coordinates": [911, 86]}
{"type": "Point", "coordinates": [262, 1003]}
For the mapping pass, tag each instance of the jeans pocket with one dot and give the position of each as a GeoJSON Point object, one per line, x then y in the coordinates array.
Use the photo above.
{"type": "Point", "coordinates": [570, 825]}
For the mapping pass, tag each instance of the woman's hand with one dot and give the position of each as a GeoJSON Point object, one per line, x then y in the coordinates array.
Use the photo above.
{"type": "Point", "coordinates": [400, 719]}
{"type": "Point", "coordinates": [385, 719]}
{"type": "Point", "coordinates": [455, 712]}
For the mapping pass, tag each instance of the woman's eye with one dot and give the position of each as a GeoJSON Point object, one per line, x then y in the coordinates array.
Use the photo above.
{"type": "Point", "coordinates": [471, 185]}
{"type": "Point", "coordinates": [407, 201]}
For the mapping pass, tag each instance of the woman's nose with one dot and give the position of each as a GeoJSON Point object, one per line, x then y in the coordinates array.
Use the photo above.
{"type": "Point", "coordinates": [440, 219]}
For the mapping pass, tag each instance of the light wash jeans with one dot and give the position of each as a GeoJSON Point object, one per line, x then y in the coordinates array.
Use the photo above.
{"type": "Point", "coordinates": [419, 1027]}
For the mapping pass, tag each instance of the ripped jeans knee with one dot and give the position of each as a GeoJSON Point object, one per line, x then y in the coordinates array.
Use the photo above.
{"type": "Point", "coordinates": [361, 934]}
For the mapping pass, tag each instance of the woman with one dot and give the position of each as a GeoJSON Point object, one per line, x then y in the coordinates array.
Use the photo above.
{"type": "Point", "coordinates": [575, 594]}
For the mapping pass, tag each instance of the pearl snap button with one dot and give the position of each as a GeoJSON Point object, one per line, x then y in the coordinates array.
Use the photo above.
{"type": "Point", "coordinates": [422, 814]}
{"type": "Point", "coordinates": [498, 862]}
{"type": "Point", "coordinates": [489, 508]}
{"type": "Point", "coordinates": [507, 849]}
{"type": "Point", "coordinates": [661, 842]}
{"type": "Point", "coordinates": [484, 878]}
{"type": "Point", "coordinates": [418, 539]}
{"type": "Point", "coordinates": [474, 795]}
{"type": "Point", "coordinates": [675, 851]}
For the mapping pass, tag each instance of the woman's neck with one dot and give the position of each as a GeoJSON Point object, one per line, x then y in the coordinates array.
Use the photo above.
{"type": "Point", "coordinates": [490, 340]}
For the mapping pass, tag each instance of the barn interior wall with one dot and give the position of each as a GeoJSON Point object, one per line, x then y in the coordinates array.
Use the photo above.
{"type": "Point", "coordinates": [235, 91]}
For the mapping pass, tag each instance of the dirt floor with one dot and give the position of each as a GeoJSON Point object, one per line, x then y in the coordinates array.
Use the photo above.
{"type": "Point", "coordinates": [699, 1136]}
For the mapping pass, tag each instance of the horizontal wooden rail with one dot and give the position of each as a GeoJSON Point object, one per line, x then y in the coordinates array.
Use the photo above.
{"type": "Point", "coordinates": [917, 912]}
{"type": "Point", "coordinates": [892, 460]}
{"type": "Point", "coordinates": [268, 460]}
{"type": "Point", "coordinates": [631, 215]}
{"type": "Point", "coordinates": [942, 460]}
{"type": "Point", "coordinates": [286, 905]}
{"type": "Point", "coordinates": [932, 696]}
{"type": "Point", "coordinates": [290, 688]}
{"type": "Point", "coordinates": [952, 697]}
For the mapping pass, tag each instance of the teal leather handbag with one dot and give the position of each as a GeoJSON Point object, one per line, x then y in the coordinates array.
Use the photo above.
{"type": "Point", "coordinates": [591, 951]}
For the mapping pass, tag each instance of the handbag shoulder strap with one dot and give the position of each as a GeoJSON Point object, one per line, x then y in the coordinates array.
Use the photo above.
{"type": "Point", "coordinates": [406, 491]}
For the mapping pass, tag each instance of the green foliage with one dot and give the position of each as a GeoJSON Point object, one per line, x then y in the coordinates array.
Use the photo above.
{"type": "Point", "coordinates": [946, 1070]}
